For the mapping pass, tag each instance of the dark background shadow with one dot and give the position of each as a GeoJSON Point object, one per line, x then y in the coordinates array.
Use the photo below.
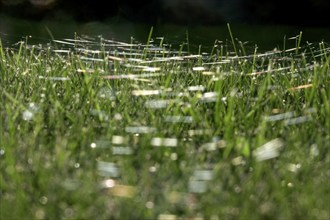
{"type": "Point", "coordinates": [257, 21]}
{"type": "Point", "coordinates": [284, 12]}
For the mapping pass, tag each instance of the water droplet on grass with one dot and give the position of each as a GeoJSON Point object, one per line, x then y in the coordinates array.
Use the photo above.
{"type": "Point", "coordinates": [116, 139]}
{"type": "Point", "coordinates": [197, 186]}
{"type": "Point", "coordinates": [55, 78]}
{"type": "Point", "coordinates": [214, 145]}
{"type": "Point", "coordinates": [198, 68]}
{"type": "Point", "coordinates": [101, 144]}
{"type": "Point", "coordinates": [40, 214]}
{"type": "Point", "coordinates": [27, 115]}
{"type": "Point", "coordinates": [209, 97]}
{"type": "Point", "coordinates": [43, 200]}
{"type": "Point", "coordinates": [140, 130]}
{"type": "Point", "coordinates": [145, 92]}
{"type": "Point", "coordinates": [314, 151]}
{"type": "Point", "coordinates": [91, 59]}
{"type": "Point", "coordinates": [151, 69]}
{"type": "Point", "coordinates": [179, 119]}
{"type": "Point", "coordinates": [278, 117]}
{"type": "Point", "coordinates": [199, 132]}
{"type": "Point", "coordinates": [64, 42]}
{"type": "Point", "coordinates": [238, 161]}
{"type": "Point", "coordinates": [152, 169]}
{"type": "Point", "coordinates": [174, 156]}
{"type": "Point", "coordinates": [269, 150]}
{"type": "Point", "coordinates": [107, 169]}
{"type": "Point", "coordinates": [166, 217]}
{"type": "Point", "coordinates": [297, 120]}
{"type": "Point", "coordinates": [69, 212]}
{"type": "Point", "coordinates": [237, 189]}
{"type": "Point", "coordinates": [107, 93]}
{"type": "Point", "coordinates": [157, 104]}
{"type": "Point", "coordinates": [205, 175]}
{"type": "Point", "coordinates": [293, 167]}
{"type": "Point", "coordinates": [150, 205]}
{"type": "Point", "coordinates": [123, 191]}
{"type": "Point", "coordinates": [290, 185]}
{"type": "Point", "coordinates": [62, 51]}
{"type": "Point", "coordinates": [196, 88]}
{"type": "Point", "coordinates": [208, 73]}
{"type": "Point", "coordinates": [117, 117]}
{"type": "Point", "coordinates": [109, 183]}
{"type": "Point", "coordinates": [122, 150]}
{"type": "Point", "coordinates": [93, 145]}
{"type": "Point", "coordinates": [166, 142]}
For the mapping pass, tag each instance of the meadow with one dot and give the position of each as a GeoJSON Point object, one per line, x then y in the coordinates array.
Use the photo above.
{"type": "Point", "coordinates": [95, 128]}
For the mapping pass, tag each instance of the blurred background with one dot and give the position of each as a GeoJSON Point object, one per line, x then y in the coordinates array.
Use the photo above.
{"type": "Point", "coordinates": [261, 21]}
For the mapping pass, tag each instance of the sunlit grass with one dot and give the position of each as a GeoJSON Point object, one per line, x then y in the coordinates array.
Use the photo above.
{"type": "Point", "coordinates": [95, 128]}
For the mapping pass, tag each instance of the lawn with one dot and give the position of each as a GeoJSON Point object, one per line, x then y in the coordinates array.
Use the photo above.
{"type": "Point", "coordinates": [94, 128]}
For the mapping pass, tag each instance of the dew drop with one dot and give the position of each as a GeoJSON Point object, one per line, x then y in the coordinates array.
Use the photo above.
{"type": "Point", "coordinates": [152, 169]}
{"type": "Point", "coordinates": [290, 185]}
{"type": "Point", "coordinates": [40, 214]}
{"type": "Point", "coordinates": [109, 183]}
{"type": "Point", "coordinates": [43, 200]}
{"type": "Point", "coordinates": [150, 205]}
{"type": "Point", "coordinates": [174, 156]}
{"type": "Point", "coordinates": [27, 115]}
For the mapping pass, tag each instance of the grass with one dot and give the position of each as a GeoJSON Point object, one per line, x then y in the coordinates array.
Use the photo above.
{"type": "Point", "coordinates": [93, 128]}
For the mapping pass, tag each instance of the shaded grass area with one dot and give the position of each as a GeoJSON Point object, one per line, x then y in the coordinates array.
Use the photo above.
{"type": "Point", "coordinates": [95, 128]}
